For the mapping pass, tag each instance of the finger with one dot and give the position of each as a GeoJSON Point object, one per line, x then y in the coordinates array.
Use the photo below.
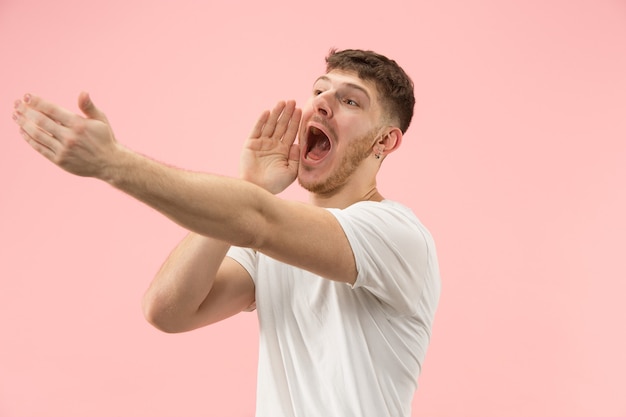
{"type": "Point", "coordinates": [89, 109]}
{"type": "Point", "coordinates": [283, 121]}
{"type": "Point", "coordinates": [294, 154]}
{"type": "Point", "coordinates": [28, 118]}
{"type": "Point", "coordinates": [39, 147]}
{"type": "Point", "coordinates": [38, 127]}
{"type": "Point", "coordinates": [270, 125]}
{"type": "Point", "coordinates": [257, 130]}
{"type": "Point", "coordinates": [292, 129]}
{"type": "Point", "coordinates": [53, 111]}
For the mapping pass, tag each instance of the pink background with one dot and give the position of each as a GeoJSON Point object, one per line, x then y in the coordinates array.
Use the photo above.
{"type": "Point", "coordinates": [516, 161]}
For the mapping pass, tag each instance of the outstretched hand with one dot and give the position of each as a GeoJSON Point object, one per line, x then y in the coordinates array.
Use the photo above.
{"type": "Point", "coordinates": [270, 157]}
{"type": "Point", "coordinates": [83, 146]}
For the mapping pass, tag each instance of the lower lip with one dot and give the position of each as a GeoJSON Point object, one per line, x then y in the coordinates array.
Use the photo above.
{"type": "Point", "coordinates": [313, 162]}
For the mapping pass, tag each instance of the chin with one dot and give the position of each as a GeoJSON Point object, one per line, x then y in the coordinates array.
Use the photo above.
{"type": "Point", "coordinates": [308, 185]}
{"type": "Point", "coordinates": [312, 186]}
{"type": "Point", "coordinates": [319, 187]}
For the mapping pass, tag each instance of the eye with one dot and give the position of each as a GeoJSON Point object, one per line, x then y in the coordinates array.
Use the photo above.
{"type": "Point", "coordinates": [351, 102]}
{"type": "Point", "coordinates": [317, 92]}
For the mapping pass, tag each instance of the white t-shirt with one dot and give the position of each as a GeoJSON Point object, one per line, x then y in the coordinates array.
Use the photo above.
{"type": "Point", "coordinates": [330, 349]}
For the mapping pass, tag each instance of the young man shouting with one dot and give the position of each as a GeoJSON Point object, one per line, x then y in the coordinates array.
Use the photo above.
{"type": "Point", "coordinates": [345, 287]}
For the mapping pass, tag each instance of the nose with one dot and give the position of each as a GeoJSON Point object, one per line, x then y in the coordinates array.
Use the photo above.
{"type": "Point", "coordinates": [322, 105]}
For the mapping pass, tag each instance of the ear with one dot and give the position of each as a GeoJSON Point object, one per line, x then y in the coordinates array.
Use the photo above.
{"type": "Point", "coordinates": [390, 141]}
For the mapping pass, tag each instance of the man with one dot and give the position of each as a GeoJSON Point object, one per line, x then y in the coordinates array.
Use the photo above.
{"type": "Point", "coordinates": [345, 287]}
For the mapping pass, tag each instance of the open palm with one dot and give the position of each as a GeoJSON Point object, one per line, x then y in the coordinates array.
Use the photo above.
{"type": "Point", "coordinates": [270, 157]}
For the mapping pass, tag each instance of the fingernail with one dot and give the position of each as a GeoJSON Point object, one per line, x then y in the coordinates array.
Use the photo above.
{"type": "Point", "coordinates": [16, 104]}
{"type": "Point", "coordinates": [15, 116]}
{"type": "Point", "coordinates": [26, 98]}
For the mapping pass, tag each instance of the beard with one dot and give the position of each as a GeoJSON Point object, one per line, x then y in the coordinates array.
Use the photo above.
{"type": "Point", "coordinates": [360, 149]}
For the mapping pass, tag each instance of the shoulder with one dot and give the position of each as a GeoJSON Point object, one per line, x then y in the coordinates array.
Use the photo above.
{"type": "Point", "coordinates": [374, 208]}
{"type": "Point", "coordinates": [371, 225]}
{"type": "Point", "coordinates": [386, 214]}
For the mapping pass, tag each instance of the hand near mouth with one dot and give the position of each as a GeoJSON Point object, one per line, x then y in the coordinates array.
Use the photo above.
{"type": "Point", "coordinates": [270, 158]}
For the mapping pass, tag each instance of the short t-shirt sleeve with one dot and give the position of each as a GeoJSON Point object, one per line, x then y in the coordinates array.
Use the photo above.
{"type": "Point", "coordinates": [391, 251]}
{"type": "Point", "coordinates": [245, 257]}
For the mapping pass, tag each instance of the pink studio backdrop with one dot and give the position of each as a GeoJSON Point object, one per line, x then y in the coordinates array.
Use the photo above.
{"type": "Point", "coordinates": [516, 161]}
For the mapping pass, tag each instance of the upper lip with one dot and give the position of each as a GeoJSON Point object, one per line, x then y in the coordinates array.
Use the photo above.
{"type": "Point", "coordinates": [318, 125]}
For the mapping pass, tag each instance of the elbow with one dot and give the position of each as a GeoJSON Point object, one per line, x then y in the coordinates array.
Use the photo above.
{"type": "Point", "coordinates": [159, 315]}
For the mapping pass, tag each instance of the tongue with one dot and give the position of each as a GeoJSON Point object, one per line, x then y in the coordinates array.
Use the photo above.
{"type": "Point", "coordinates": [320, 149]}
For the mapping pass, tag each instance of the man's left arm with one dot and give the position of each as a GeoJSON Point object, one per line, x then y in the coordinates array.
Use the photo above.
{"type": "Point", "coordinates": [228, 209]}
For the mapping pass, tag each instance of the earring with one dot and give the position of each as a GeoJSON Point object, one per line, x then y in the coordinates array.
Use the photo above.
{"type": "Point", "coordinates": [377, 156]}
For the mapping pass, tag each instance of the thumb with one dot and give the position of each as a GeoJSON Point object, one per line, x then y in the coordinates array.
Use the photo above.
{"type": "Point", "coordinates": [89, 109]}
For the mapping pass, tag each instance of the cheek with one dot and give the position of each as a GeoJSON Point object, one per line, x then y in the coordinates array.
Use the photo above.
{"type": "Point", "coordinates": [356, 129]}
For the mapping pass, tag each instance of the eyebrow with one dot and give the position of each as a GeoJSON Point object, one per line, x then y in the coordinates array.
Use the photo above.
{"type": "Point", "coordinates": [350, 85]}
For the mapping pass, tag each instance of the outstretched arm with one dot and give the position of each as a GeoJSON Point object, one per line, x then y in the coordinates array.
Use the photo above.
{"type": "Point", "coordinates": [226, 209]}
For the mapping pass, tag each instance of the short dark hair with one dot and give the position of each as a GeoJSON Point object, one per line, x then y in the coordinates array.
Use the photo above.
{"type": "Point", "coordinates": [394, 85]}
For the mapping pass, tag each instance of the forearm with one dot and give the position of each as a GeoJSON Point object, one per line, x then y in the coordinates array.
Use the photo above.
{"type": "Point", "coordinates": [223, 208]}
{"type": "Point", "coordinates": [183, 282]}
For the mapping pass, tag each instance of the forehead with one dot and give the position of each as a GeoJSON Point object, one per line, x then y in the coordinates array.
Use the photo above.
{"type": "Point", "coordinates": [350, 79]}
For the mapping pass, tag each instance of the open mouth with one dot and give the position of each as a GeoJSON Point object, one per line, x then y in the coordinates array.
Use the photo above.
{"type": "Point", "coordinates": [317, 144]}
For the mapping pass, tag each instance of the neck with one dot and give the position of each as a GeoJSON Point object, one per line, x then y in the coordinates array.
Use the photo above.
{"type": "Point", "coordinates": [344, 197]}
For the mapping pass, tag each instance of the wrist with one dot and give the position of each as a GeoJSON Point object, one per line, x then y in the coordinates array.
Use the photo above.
{"type": "Point", "coordinates": [119, 164]}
